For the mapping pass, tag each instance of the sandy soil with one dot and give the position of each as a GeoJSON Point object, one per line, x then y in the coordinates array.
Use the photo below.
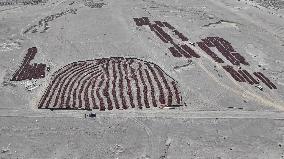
{"type": "Point", "coordinates": [238, 120]}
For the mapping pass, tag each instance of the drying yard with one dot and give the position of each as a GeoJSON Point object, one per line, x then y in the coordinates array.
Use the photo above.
{"type": "Point", "coordinates": [142, 79]}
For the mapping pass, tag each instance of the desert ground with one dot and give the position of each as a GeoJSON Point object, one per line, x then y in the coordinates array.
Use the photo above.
{"type": "Point", "coordinates": [142, 79]}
